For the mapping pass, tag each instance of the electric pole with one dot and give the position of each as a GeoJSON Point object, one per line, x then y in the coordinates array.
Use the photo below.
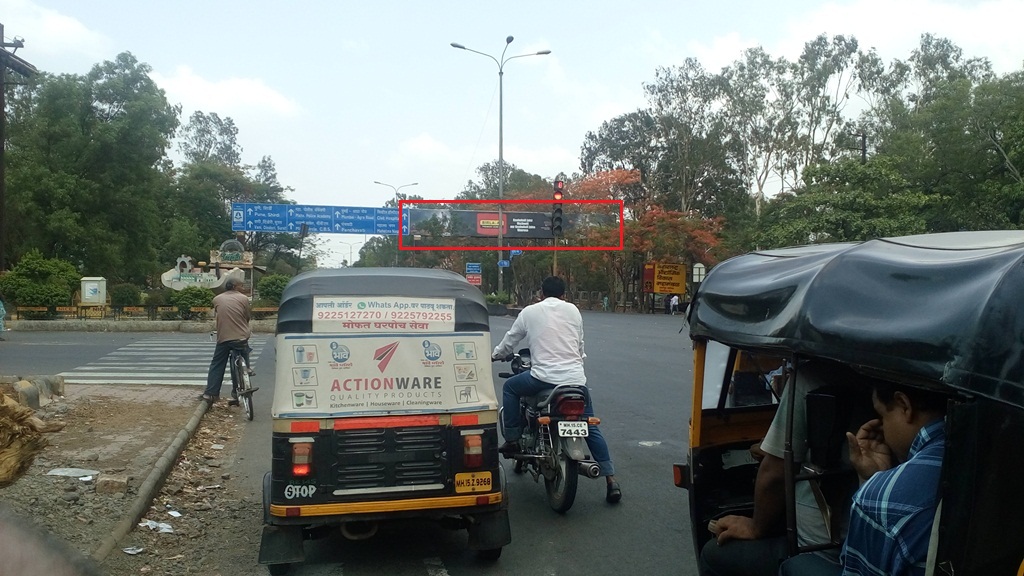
{"type": "Point", "coordinates": [7, 61]}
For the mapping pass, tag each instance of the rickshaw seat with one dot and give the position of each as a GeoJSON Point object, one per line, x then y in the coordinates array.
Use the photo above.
{"type": "Point", "coordinates": [832, 411]}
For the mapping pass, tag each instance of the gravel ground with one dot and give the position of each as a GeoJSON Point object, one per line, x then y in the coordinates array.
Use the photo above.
{"type": "Point", "coordinates": [198, 500]}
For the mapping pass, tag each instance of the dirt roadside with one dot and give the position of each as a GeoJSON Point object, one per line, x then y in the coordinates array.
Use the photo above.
{"type": "Point", "coordinates": [121, 431]}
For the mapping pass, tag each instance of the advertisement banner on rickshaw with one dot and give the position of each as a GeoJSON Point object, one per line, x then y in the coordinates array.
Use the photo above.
{"type": "Point", "coordinates": [326, 375]}
{"type": "Point", "coordinates": [368, 314]}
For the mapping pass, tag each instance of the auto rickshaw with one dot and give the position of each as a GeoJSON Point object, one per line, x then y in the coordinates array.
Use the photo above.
{"type": "Point", "coordinates": [943, 312]}
{"type": "Point", "coordinates": [384, 408]}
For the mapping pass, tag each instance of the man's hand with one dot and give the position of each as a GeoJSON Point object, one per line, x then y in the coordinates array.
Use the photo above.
{"type": "Point", "coordinates": [735, 528]}
{"type": "Point", "coordinates": [868, 451]}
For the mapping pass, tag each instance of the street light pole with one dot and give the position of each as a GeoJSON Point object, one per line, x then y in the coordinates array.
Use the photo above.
{"type": "Point", "coordinates": [350, 246]}
{"type": "Point", "coordinates": [501, 136]}
{"type": "Point", "coordinates": [396, 189]}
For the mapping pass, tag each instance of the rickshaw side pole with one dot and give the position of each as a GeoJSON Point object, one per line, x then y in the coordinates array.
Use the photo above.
{"type": "Point", "coordinates": [787, 457]}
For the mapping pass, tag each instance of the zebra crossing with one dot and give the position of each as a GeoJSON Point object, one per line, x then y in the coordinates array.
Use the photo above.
{"type": "Point", "coordinates": [182, 360]}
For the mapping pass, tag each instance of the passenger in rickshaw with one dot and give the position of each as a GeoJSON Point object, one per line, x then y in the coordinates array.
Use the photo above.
{"type": "Point", "coordinates": [746, 546]}
{"type": "Point", "coordinates": [894, 509]}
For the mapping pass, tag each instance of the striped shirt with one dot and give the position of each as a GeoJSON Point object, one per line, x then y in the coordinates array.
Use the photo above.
{"type": "Point", "coordinates": [892, 515]}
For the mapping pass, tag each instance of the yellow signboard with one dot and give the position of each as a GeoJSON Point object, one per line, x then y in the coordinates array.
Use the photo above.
{"type": "Point", "coordinates": [669, 278]}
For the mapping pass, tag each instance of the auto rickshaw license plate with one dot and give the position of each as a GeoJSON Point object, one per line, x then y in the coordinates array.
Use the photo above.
{"type": "Point", "coordinates": [473, 482]}
{"type": "Point", "coordinates": [573, 428]}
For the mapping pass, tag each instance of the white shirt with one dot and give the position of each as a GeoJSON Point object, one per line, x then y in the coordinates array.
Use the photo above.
{"type": "Point", "coordinates": [555, 330]}
{"type": "Point", "coordinates": [674, 301]}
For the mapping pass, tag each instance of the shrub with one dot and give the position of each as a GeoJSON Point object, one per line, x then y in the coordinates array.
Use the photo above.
{"type": "Point", "coordinates": [192, 297]}
{"type": "Point", "coordinates": [159, 297]}
{"type": "Point", "coordinates": [499, 298]}
{"type": "Point", "coordinates": [122, 295]}
{"type": "Point", "coordinates": [38, 281]}
{"type": "Point", "coordinates": [271, 287]}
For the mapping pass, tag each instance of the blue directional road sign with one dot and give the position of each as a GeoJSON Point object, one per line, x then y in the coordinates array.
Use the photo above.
{"type": "Point", "coordinates": [503, 263]}
{"type": "Point", "coordinates": [516, 252]}
{"type": "Point", "coordinates": [250, 217]}
{"type": "Point", "coordinates": [473, 268]}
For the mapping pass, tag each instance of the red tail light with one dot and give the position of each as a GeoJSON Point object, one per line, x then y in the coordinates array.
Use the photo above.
{"type": "Point", "coordinates": [302, 459]}
{"type": "Point", "coordinates": [472, 451]}
{"type": "Point", "coordinates": [571, 406]}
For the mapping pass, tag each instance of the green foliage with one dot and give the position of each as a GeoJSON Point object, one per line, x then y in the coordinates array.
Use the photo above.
{"type": "Point", "coordinates": [42, 295]}
{"type": "Point", "coordinates": [122, 295]}
{"type": "Point", "coordinates": [845, 202]}
{"type": "Point", "coordinates": [159, 297]}
{"type": "Point", "coordinates": [271, 287]}
{"type": "Point", "coordinates": [192, 297]}
{"type": "Point", "coordinates": [498, 298]}
{"type": "Point", "coordinates": [39, 281]}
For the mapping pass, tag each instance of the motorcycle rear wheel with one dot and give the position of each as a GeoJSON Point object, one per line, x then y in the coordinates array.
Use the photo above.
{"type": "Point", "coordinates": [561, 486]}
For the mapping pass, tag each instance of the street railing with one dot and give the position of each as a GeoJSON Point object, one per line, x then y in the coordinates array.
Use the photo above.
{"type": "Point", "coordinates": [124, 312]}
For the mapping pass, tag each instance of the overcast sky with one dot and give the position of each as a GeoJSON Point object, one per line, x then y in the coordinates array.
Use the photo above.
{"type": "Point", "coordinates": [343, 93]}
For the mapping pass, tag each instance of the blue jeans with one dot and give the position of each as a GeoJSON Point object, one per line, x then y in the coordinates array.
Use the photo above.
{"type": "Point", "coordinates": [215, 378]}
{"type": "Point", "coordinates": [523, 385]}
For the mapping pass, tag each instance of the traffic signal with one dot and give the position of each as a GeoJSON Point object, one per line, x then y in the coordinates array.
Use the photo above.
{"type": "Point", "coordinates": [556, 210]}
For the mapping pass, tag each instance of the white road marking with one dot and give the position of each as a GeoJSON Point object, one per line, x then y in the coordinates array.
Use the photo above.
{"type": "Point", "coordinates": [649, 443]}
{"type": "Point", "coordinates": [435, 567]}
{"type": "Point", "coordinates": [156, 361]}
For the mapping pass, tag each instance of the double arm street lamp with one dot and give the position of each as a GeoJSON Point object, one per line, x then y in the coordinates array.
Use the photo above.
{"type": "Point", "coordinates": [501, 158]}
{"type": "Point", "coordinates": [350, 246]}
{"type": "Point", "coordinates": [396, 189]}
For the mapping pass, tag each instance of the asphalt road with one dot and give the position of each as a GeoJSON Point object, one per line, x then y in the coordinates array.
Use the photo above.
{"type": "Point", "coordinates": [639, 370]}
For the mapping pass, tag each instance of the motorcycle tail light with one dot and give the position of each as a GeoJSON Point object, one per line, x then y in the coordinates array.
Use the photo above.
{"type": "Point", "coordinates": [473, 451]}
{"type": "Point", "coordinates": [571, 406]}
{"type": "Point", "coordinates": [302, 459]}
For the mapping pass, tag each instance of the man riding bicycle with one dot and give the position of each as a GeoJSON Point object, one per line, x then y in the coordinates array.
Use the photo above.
{"type": "Point", "coordinates": [231, 310]}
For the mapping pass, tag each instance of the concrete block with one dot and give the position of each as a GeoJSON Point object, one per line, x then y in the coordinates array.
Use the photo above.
{"type": "Point", "coordinates": [27, 394]}
{"type": "Point", "coordinates": [49, 387]}
{"type": "Point", "coordinates": [112, 484]}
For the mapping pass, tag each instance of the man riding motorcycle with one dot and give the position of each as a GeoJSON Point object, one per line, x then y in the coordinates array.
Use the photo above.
{"type": "Point", "coordinates": [555, 331]}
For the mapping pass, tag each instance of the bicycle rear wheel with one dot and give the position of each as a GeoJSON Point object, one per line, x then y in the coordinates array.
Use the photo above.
{"type": "Point", "coordinates": [244, 387]}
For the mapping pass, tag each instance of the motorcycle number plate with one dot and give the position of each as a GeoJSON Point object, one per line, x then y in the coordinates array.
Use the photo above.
{"type": "Point", "coordinates": [573, 429]}
{"type": "Point", "coordinates": [472, 482]}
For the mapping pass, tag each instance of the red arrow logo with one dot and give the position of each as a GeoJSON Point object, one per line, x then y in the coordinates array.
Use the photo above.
{"type": "Point", "coordinates": [384, 355]}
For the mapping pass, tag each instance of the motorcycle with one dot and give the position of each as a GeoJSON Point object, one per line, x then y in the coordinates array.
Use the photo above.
{"type": "Point", "coordinates": [555, 429]}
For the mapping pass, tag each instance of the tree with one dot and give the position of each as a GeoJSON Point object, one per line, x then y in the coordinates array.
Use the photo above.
{"type": "Point", "coordinates": [844, 202]}
{"type": "Point", "coordinates": [85, 174]}
{"type": "Point", "coordinates": [208, 138]}
{"type": "Point", "coordinates": [516, 182]}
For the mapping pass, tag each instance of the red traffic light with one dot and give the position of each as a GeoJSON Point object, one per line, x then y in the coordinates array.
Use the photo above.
{"type": "Point", "coordinates": [558, 194]}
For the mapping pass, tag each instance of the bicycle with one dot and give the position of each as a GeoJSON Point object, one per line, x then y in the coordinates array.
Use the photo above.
{"type": "Point", "coordinates": [241, 385]}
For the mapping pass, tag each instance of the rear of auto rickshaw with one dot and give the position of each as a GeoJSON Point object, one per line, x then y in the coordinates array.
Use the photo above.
{"type": "Point", "coordinates": [944, 312]}
{"type": "Point", "coordinates": [384, 409]}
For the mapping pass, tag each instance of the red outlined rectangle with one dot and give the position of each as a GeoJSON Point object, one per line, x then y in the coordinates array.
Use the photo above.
{"type": "Point", "coordinates": [564, 201]}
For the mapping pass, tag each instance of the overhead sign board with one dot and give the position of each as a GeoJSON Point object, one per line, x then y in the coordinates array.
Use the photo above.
{"type": "Point", "coordinates": [249, 217]}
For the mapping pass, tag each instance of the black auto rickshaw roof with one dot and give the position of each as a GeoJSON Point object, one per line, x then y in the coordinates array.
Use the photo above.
{"type": "Point", "coordinates": [295, 313]}
{"type": "Point", "coordinates": [946, 308]}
